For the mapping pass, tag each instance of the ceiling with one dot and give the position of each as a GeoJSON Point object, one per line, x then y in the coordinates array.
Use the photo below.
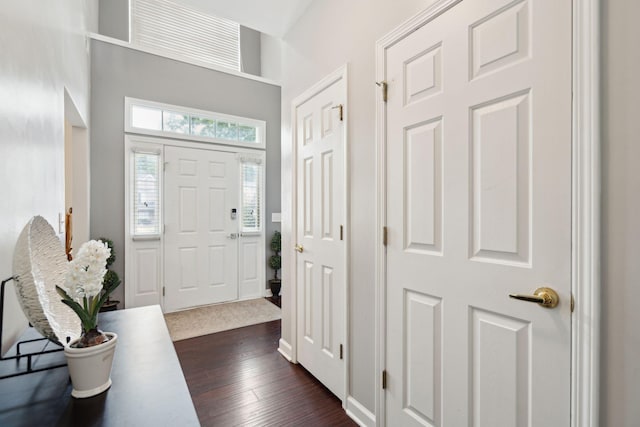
{"type": "Point", "coordinates": [273, 17]}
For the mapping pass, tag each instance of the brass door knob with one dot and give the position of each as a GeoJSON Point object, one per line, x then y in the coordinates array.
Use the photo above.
{"type": "Point", "coordinates": [545, 297]}
{"type": "Point", "coordinates": [299, 248]}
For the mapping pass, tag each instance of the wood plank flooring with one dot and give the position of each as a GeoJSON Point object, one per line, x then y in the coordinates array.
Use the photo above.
{"type": "Point", "coordinates": [237, 378]}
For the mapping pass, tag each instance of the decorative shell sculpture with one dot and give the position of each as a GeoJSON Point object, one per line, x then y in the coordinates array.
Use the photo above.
{"type": "Point", "coordinates": [39, 264]}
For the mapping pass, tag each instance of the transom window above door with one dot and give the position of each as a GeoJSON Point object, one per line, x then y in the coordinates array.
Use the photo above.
{"type": "Point", "coordinates": [153, 118]}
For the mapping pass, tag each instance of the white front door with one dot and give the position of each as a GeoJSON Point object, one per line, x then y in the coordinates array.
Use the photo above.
{"type": "Point", "coordinates": [201, 232]}
{"type": "Point", "coordinates": [478, 207]}
{"type": "Point", "coordinates": [320, 262]}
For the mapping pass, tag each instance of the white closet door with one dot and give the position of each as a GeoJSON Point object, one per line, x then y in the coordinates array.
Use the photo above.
{"type": "Point", "coordinates": [479, 207]}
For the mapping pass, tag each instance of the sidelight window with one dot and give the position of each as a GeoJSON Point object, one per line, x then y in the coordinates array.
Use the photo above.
{"type": "Point", "coordinates": [146, 194]}
{"type": "Point", "coordinates": [251, 198]}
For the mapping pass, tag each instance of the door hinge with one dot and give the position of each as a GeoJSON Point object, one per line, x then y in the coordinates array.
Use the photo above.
{"type": "Point", "coordinates": [341, 352]}
{"type": "Point", "coordinates": [163, 291]}
{"type": "Point", "coordinates": [164, 166]}
{"type": "Point", "coordinates": [384, 379]}
{"type": "Point", "coordinates": [383, 86]}
{"type": "Point", "coordinates": [342, 232]}
{"type": "Point", "coordinates": [384, 236]}
{"type": "Point", "coordinates": [573, 303]}
{"type": "Point", "coordinates": [341, 108]}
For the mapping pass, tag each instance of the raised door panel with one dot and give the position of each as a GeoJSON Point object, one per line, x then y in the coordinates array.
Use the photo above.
{"type": "Point", "coordinates": [422, 349]}
{"type": "Point", "coordinates": [147, 268]}
{"type": "Point", "coordinates": [251, 267]}
{"type": "Point", "coordinates": [423, 187]}
{"type": "Point", "coordinates": [500, 365]}
{"type": "Point", "coordinates": [501, 159]}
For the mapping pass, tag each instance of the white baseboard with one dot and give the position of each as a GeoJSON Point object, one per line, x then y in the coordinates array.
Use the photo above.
{"type": "Point", "coordinates": [358, 413]}
{"type": "Point", "coordinates": [285, 349]}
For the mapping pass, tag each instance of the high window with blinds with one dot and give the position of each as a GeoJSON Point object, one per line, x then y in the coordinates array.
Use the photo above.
{"type": "Point", "coordinates": [184, 31]}
{"type": "Point", "coordinates": [146, 194]}
{"type": "Point", "coordinates": [251, 182]}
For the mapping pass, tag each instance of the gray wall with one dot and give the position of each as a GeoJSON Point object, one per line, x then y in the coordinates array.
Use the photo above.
{"type": "Point", "coordinates": [250, 51]}
{"type": "Point", "coordinates": [114, 19]}
{"type": "Point", "coordinates": [117, 72]}
{"type": "Point", "coordinates": [620, 346]}
{"type": "Point", "coordinates": [43, 51]}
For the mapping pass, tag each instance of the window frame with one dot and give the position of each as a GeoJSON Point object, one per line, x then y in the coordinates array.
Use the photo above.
{"type": "Point", "coordinates": [259, 125]}
{"type": "Point", "coordinates": [130, 199]}
{"type": "Point", "coordinates": [243, 159]}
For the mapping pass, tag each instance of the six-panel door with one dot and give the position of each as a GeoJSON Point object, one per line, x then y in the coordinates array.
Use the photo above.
{"type": "Point", "coordinates": [201, 236]}
{"type": "Point", "coordinates": [479, 206]}
{"type": "Point", "coordinates": [320, 236]}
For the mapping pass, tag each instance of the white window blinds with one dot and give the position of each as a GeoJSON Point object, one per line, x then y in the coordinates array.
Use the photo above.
{"type": "Point", "coordinates": [251, 181]}
{"type": "Point", "coordinates": [146, 194]}
{"type": "Point", "coordinates": [184, 31]}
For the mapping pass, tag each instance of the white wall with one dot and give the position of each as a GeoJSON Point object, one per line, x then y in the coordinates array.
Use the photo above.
{"type": "Point", "coordinates": [620, 346]}
{"type": "Point", "coordinates": [43, 51]}
{"type": "Point", "coordinates": [330, 34]}
{"type": "Point", "coordinates": [270, 57]}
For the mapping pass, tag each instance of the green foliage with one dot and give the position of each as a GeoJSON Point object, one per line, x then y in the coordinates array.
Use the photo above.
{"type": "Point", "coordinates": [110, 280]}
{"type": "Point", "coordinates": [109, 243]}
{"type": "Point", "coordinates": [275, 261]}
{"type": "Point", "coordinates": [226, 130]}
{"type": "Point", "coordinates": [276, 242]}
{"type": "Point", "coordinates": [88, 312]}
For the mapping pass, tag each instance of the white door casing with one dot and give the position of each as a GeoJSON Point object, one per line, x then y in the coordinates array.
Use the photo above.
{"type": "Point", "coordinates": [251, 243]}
{"type": "Point", "coordinates": [478, 206]}
{"type": "Point", "coordinates": [143, 255]}
{"type": "Point", "coordinates": [320, 231]}
{"type": "Point", "coordinates": [201, 234]}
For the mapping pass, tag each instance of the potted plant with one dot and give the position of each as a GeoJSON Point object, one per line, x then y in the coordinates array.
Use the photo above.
{"type": "Point", "coordinates": [110, 277]}
{"type": "Point", "coordinates": [85, 291]}
{"type": "Point", "coordinates": [275, 262]}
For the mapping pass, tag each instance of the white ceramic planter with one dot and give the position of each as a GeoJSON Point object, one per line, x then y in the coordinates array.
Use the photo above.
{"type": "Point", "coordinates": [90, 368]}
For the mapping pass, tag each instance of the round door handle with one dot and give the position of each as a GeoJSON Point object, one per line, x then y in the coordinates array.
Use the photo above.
{"type": "Point", "coordinates": [546, 297]}
{"type": "Point", "coordinates": [232, 236]}
{"type": "Point", "coordinates": [299, 248]}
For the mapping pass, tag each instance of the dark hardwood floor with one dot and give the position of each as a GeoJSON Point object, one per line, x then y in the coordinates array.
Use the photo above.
{"type": "Point", "coordinates": [237, 378]}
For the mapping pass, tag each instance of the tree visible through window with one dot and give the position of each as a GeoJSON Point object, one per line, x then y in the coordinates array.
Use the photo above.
{"type": "Point", "coordinates": [173, 119]}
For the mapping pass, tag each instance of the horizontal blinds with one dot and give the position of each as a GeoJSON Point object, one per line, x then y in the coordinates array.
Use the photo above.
{"type": "Point", "coordinates": [184, 31]}
{"type": "Point", "coordinates": [251, 174]}
{"type": "Point", "coordinates": [146, 194]}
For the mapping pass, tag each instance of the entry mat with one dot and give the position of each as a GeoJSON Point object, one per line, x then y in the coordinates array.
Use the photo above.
{"type": "Point", "coordinates": [219, 317]}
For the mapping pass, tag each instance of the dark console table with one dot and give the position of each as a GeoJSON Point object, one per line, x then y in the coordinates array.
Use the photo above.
{"type": "Point", "coordinates": [148, 387]}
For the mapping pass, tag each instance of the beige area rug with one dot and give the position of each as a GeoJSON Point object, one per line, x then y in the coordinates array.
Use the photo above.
{"type": "Point", "coordinates": [220, 317]}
